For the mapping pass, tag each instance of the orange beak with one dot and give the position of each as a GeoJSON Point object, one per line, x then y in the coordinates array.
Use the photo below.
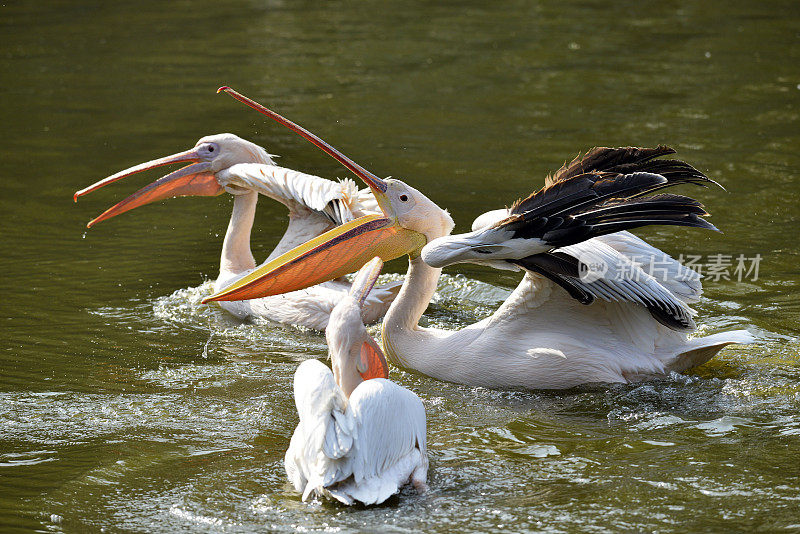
{"type": "Point", "coordinates": [377, 185]}
{"type": "Point", "coordinates": [192, 180]}
{"type": "Point", "coordinates": [335, 253]}
{"type": "Point", "coordinates": [372, 362]}
{"type": "Point", "coordinates": [365, 280]}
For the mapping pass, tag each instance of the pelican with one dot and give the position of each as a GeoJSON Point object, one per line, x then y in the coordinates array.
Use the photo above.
{"type": "Point", "coordinates": [226, 162]}
{"type": "Point", "coordinates": [557, 329]}
{"type": "Point", "coordinates": [361, 437]}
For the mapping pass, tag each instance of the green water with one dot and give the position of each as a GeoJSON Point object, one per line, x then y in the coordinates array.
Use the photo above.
{"type": "Point", "coordinates": [125, 406]}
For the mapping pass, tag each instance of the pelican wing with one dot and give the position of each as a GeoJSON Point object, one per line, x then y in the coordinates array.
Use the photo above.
{"type": "Point", "coordinates": [339, 201]}
{"type": "Point", "coordinates": [601, 164]}
{"type": "Point", "coordinates": [596, 270]}
{"type": "Point", "coordinates": [580, 208]}
{"type": "Point", "coordinates": [632, 271]}
{"type": "Point", "coordinates": [391, 445]}
{"type": "Point", "coordinates": [600, 194]}
{"type": "Point", "coordinates": [320, 450]}
{"type": "Point", "coordinates": [623, 160]}
{"type": "Point", "coordinates": [681, 281]}
{"type": "Point", "coordinates": [603, 193]}
{"type": "Point", "coordinates": [586, 210]}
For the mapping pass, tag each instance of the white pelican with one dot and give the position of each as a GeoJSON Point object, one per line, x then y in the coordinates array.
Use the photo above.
{"type": "Point", "coordinates": [225, 162]}
{"type": "Point", "coordinates": [543, 336]}
{"type": "Point", "coordinates": [361, 437]}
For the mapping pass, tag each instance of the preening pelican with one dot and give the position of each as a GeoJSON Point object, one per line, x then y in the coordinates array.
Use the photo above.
{"type": "Point", "coordinates": [225, 162]}
{"type": "Point", "coordinates": [361, 437]}
{"type": "Point", "coordinates": [557, 329]}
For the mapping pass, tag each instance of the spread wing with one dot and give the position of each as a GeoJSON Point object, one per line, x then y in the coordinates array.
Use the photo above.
{"type": "Point", "coordinates": [595, 269]}
{"type": "Point", "coordinates": [339, 201]}
{"type": "Point", "coordinates": [559, 230]}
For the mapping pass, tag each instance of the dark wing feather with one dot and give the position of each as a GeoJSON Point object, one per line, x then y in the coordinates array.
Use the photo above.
{"type": "Point", "coordinates": [564, 270]}
{"type": "Point", "coordinates": [608, 163]}
{"type": "Point", "coordinates": [603, 192]}
{"type": "Point", "coordinates": [601, 159]}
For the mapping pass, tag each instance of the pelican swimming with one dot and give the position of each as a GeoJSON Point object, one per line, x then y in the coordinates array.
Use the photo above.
{"type": "Point", "coordinates": [225, 162]}
{"type": "Point", "coordinates": [556, 330]}
{"type": "Point", "coordinates": [361, 437]}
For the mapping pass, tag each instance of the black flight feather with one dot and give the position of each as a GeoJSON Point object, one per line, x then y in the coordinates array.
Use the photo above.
{"type": "Point", "coordinates": [604, 192]}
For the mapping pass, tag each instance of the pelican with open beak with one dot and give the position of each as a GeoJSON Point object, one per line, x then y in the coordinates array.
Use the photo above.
{"type": "Point", "coordinates": [560, 328]}
{"type": "Point", "coordinates": [195, 179]}
{"type": "Point", "coordinates": [225, 162]}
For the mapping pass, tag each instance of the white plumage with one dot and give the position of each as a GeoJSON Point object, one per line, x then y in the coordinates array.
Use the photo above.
{"type": "Point", "coordinates": [359, 449]}
{"type": "Point", "coordinates": [358, 440]}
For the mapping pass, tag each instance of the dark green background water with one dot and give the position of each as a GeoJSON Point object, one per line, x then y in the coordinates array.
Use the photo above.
{"type": "Point", "coordinates": [126, 406]}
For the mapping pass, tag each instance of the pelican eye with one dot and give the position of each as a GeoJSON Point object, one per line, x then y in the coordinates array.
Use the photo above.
{"type": "Point", "coordinates": [211, 149]}
{"type": "Point", "coordinates": [404, 198]}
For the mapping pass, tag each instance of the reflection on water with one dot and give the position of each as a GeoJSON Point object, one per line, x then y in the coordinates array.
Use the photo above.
{"type": "Point", "coordinates": [126, 405]}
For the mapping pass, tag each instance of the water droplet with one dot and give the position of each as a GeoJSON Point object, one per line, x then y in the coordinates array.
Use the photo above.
{"type": "Point", "coordinates": [208, 342]}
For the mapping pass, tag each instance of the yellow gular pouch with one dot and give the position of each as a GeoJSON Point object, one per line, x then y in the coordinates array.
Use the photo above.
{"type": "Point", "coordinates": [335, 253]}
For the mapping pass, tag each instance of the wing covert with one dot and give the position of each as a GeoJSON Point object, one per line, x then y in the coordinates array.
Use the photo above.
{"type": "Point", "coordinates": [390, 423]}
{"type": "Point", "coordinates": [340, 201]}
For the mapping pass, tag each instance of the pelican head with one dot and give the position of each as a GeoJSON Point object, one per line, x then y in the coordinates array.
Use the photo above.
{"type": "Point", "coordinates": [477, 246]}
{"type": "Point", "coordinates": [409, 221]}
{"type": "Point", "coordinates": [355, 356]}
{"type": "Point", "coordinates": [211, 154]}
{"type": "Point", "coordinates": [410, 209]}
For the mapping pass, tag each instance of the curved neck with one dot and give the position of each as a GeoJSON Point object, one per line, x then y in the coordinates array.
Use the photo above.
{"type": "Point", "coordinates": [407, 309]}
{"type": "Point", "coordinates": [345, 374]}
{"type": "Point", "coordinates": [236, 255]}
